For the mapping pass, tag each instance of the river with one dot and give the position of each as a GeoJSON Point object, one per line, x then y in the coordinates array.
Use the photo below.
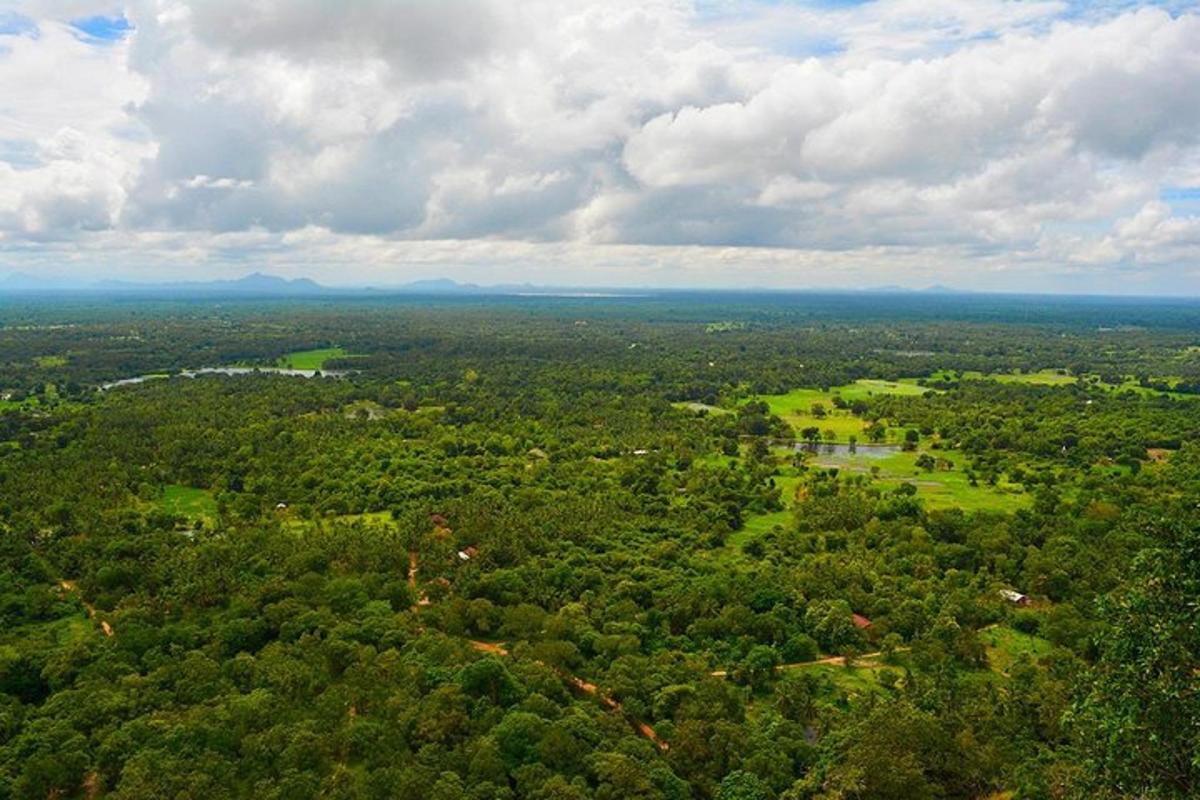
{"type": "Point", "coordinates": [192, 373]}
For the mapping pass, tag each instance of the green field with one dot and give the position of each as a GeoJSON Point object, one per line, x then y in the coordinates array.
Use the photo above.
{"type": "Point", "coordinates": [858, 679]}
{"type": "Point", "coordinates": [47, 362]}
{"type": "Point", "coordinates": [1043, 377]}
{"type": "Point", "coordinates": [795, 407]}
{"type": "Point", "coordinates": [186, 501]}
{"type": "Point", "coordinates": [1005, 646]}
{"type": "Point", "coordinates": [1058, 377]}
{"type": "Point", "coordinates": [310, 359]}
{"type": "Point", "coordinates": [1131, 385]}
{"type": "Point", "coordinates": [758, 524]}
{"type": "Point", "coordinates": [941, 488]}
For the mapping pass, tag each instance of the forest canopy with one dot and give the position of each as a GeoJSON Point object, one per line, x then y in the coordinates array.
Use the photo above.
{"type": "Point", "coordinates": [733, 546]}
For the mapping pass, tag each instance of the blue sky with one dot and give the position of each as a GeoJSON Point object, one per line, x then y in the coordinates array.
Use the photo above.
{"type": "Point", "coordinates": [991, 144]}
{"type": "Point", "coordinates": [102, 28]}
{"type": "Point", "coordinates": [14, 24]}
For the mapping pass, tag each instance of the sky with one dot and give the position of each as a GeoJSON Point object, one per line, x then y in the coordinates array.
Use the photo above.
{"type": "Point", "coordinates": [1039, 145]}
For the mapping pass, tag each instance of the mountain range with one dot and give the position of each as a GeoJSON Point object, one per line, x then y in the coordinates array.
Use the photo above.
{"type": "Point", "coordinates": [258, 284]}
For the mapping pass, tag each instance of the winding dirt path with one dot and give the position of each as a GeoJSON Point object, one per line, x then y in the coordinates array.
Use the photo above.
{"type": "Point", "coordinates": [488, 647]}
{"type": "Point", "coordinates": [69, 586]}
{"type": "Point", "coordinates": [579, 684]}
{"type": "Point", "coordinates": [586, 687]}
{"type": "Point", "coordinates": [422, 600]}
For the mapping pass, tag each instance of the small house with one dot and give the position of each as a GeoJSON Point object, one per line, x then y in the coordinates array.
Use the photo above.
{"type": "Point", "coordinates": [281, 506]}
{"type": "Point", "coordinates": [467, 553]}
{"type": "Point", "coordinates": [861, 622]}
{"type": "Point", "coordinates": [1016, 598]}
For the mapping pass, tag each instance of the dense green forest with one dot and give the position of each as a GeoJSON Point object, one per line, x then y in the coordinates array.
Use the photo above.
{"type": "Point", "coordinates": [677, 546]}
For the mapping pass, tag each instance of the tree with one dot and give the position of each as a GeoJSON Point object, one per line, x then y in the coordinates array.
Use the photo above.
{"type": "Point", "coordinates": [1139, 725]}
{"type": "Point", "coordinates": [758, 666]}
{"type": "Point", "coordinates": [741, 785]}
{"type": "Point", "coordinates": [796, 696]}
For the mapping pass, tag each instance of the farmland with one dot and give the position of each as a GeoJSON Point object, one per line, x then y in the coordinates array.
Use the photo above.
{"type": "Point", "coordinates": [187, 502]}
{"type": "Point", "coordinates": [310, 359]}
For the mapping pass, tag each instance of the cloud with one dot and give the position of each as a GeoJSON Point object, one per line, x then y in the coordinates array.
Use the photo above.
{"type": "Point", "coordinates": [421, 40]}
{"type": "Point", "coordinates": [1000, 134]}
{"type": "Point", "coordinates": [75, 147]}
{"type": "Point", "coordinates": [1024, 124]}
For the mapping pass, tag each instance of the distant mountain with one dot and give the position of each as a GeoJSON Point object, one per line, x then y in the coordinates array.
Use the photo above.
{"type": "Point", "coordinates": [24, 282]}
{"type": "Point", "coordinates": [258, 284]}
{"type": "Point", "coordinates": [436, 286]}
{"type": "Point", "coordinates": [936, 288]}
{"type": "Point", "coordinates": [255, 283]}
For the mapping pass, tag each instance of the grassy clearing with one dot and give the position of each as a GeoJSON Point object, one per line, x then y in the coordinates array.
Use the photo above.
{"type": "Point", "coordinates": [311, 359]}
{"type": "Point", "coordinates": [1061, 377]}
{"type": "Point", "coordinates": [63, 631]}
{"type": "Point", "coordinates": [713, 460]}
{"type": "Point", "coordinates": [187, 501]}
{"type": "Point", "coordinates": [1043, 377]}
{"type": "Point", "coordinates": [297, 523]}
{"type": "Point", "coordinates": [759, 524]}
{"type": "Point", "coordinates": [369, 517]}
{"type": "Point", "coordinates": [941, 488]}
{"type": "Point", "coordinates": [1005, 646]}
{"type": "Point", "coordinates": [1131, 385]}
{"type": "Point", "coordinates": [864, 388]}
{"type": "Point", "coordinates": [702, 407]}
{"type": "Point", "coordinates": [855, 680]}
{"type": "Point", "coordinates": [49, 362]}
{"type": "Point", "coordinates": [796, 407]}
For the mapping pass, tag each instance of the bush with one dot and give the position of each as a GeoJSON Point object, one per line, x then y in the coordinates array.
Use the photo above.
{"type": "Point", "coordinates": [1027, 622]}
{"type": "Point", "coordinates": [800, 647]}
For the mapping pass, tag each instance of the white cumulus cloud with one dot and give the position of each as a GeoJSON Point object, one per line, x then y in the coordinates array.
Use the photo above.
{"type": "Point", "coordinates": [893, 141]}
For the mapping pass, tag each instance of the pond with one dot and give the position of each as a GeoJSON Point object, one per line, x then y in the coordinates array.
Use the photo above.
{"type": "Point", "coordinates": [845, 449]}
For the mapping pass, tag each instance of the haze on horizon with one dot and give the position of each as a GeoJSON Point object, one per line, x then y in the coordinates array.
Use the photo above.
{"type": "Point", "coordinates": [977, 144]}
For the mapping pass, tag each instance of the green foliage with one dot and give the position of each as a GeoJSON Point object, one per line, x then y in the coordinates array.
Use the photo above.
{"type": "Point", "coordinates": [1138, 723]}
{"type": "Point", "coordinates": [518, 558]}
